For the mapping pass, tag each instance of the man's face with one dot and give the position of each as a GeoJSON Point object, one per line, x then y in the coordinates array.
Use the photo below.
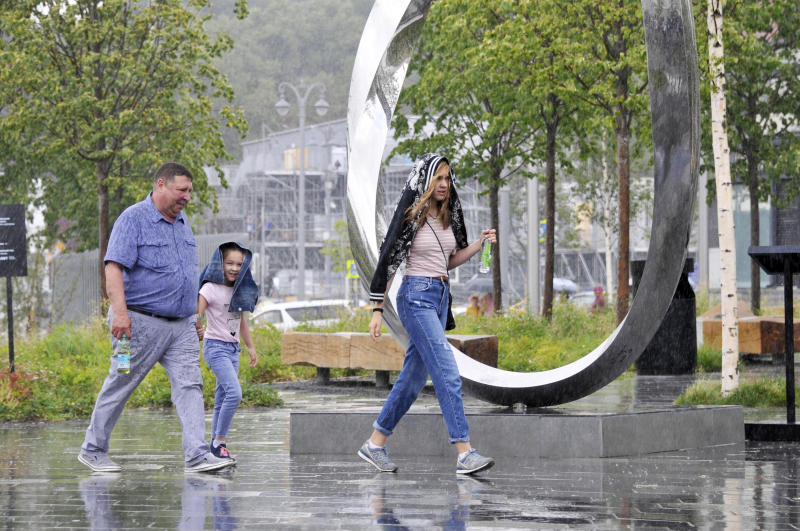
{"type": "Point", "coordinates": [170, 197]}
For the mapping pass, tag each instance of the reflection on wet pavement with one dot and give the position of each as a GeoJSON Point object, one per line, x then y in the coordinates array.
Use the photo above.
{"type": "Point", "coordinates": [42, 485]}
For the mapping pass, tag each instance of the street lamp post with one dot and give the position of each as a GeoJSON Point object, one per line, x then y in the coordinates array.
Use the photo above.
{"type": "Point", "coordinates": [330, 179]}
{"type": "Point", "coordinates": [301, 94]}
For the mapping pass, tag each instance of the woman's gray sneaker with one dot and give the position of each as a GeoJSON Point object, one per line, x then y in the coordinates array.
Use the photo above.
{"type": "Point", "coordinates": [377, 457]}
{"type": "Point", "coordinates": [473, 462]}
{"type": "Point", "coordinates": [99, 462]}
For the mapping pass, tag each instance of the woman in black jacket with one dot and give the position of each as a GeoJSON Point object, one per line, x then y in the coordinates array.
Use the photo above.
{"type": "Point", "coordinates": [427, 232]}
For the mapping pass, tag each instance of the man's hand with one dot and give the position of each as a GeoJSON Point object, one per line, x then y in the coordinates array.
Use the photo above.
{"type": "Point", "coordinates": [121, 324]}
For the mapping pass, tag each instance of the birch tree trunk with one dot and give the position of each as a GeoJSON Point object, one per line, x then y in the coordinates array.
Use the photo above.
{"type": "Point", "coordinates": [727, 242]}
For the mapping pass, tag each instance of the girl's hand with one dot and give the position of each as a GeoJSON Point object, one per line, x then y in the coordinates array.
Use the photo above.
{"type": "Point", "coordinates": [201, 332]}
{"type": "Point", "coordinates": [375, 325]}
{"type": "Point", "coordinates": [253, 358]}
{"type": "Point", "coordinates": [489, 234]}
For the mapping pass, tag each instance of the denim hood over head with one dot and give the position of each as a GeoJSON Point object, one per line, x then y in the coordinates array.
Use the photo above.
{"type": "Point", "coordinates": [401, 232]}
{"type": "Point", "coordinates": [245, 289]}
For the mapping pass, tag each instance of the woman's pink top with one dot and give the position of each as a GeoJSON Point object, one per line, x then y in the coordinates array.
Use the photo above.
{"type": "Point", "coordinates": [425, 258]}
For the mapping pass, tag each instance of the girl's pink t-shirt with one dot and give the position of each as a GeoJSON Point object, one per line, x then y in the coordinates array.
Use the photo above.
{"type": "Point", "coordinates": [222, 325]}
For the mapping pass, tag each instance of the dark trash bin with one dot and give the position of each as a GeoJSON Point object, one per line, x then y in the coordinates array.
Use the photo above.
{"type": "Point", "coordinates": [673, 349]}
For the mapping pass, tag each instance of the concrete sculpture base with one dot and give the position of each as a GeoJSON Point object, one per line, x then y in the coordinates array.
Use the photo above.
{"type": "Point", "coordinates": [551, 433]}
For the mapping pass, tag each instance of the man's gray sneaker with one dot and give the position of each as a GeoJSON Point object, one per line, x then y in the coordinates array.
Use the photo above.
{"type": "Point", "coordinates": [99, 462]}
{"type": "Point", "coordinates": [377, 457]}
{"type": "Point", "coordinates": [473, 462]}
{"type": "Point", "coordinates": [210, 462]}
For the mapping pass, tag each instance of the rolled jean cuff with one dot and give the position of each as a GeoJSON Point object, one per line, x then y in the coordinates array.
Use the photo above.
{"type": "Point", "coordinates": [381, 429]}
{"type": "Point", "coordinates": [460, 439]}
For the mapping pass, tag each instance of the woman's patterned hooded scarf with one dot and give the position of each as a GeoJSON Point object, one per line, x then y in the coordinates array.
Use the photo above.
{"type": "Point", "coordinates": [401, 232]}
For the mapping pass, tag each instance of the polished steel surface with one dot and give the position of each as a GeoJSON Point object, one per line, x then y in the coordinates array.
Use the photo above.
{"type": "Point", "coordinates": [383, 55]}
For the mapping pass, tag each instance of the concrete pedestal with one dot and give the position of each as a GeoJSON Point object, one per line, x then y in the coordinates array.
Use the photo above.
{"type": "Point", "coordinates": [550, 433]}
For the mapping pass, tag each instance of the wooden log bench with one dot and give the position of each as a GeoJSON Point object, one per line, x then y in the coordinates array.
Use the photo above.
{"type": "Point", "coordinates": [357, 350]}
{"type": "Point", "coordinates": [757, 335]}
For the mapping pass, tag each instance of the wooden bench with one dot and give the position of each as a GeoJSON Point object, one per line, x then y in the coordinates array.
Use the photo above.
{"type": "Point", "coordinates": [757, 335]}
{"type": "Point", "coordinates": [357, 350]}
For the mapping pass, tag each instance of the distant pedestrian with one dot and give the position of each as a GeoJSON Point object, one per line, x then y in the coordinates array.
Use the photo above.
{"type": "Point", "coordinates": [151, 281]}
{"type": "Point", "coordinates": [269, 280]}
{"type": "Point", "coordinates": [227, 290]}
{"type": "Point", "coordinates": [474, 309]}
{"type": "Point", "coordinates": [599, 303]}
{"type": "Point", "coordinates": [428, 232]}
{"type": "Point", "coordinates": [487, 305]}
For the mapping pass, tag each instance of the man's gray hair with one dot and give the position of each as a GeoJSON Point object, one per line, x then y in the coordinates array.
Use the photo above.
{"type": "Point", "coordinates": [169, 170]}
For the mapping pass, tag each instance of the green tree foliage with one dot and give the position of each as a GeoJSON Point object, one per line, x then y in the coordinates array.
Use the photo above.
{"type": "Point", "coordinates": [294, 41]}
{"type": "Point", "coordinates": [97, 94]}
{"type": "Point", "coordinates": [604, 47]}
{"type": "Point", "coordinates": [474, 96]}
{"type": "Point", "coordinates": [557, 112]}
{"type": "Point", "coordinates": [498, 83]}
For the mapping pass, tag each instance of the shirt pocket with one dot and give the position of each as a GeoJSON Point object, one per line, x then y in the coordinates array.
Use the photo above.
{"type": "Point", "coordinates": [157, 255]}
{"type": "Point", "coordinates": [190, 253]}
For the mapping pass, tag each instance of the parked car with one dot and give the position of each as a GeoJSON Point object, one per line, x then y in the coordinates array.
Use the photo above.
{"type": "Point", "coordinates": [287, 315]}
{"type": "Point", "coordinates": [564, 285]}
{"type": "Point", "coordinates": [480, 284]}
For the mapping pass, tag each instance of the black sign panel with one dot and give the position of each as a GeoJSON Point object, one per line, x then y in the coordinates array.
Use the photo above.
{"type": "Point", "coordinates": [13, 242]}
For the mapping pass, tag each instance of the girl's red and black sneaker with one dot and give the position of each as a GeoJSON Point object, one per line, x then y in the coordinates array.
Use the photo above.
{"type": "Point", "coordinates": [221, 451]}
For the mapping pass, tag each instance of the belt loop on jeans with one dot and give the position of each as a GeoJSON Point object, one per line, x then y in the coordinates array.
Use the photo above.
{"type": "Point", "coordinates": [443, 278]}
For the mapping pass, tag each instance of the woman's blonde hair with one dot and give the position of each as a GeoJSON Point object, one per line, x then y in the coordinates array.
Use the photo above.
{"type": "Point", "coordinates": [421, 208]}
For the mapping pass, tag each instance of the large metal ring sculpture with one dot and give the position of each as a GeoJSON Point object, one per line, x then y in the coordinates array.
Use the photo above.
{"type": "Point", "coordinates": [391, 32]}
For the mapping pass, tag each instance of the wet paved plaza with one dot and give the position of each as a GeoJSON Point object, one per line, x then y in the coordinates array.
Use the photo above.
{"type": "Point", "coordinates": [43, 486]}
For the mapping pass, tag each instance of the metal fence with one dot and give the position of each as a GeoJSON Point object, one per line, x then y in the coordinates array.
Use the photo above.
{"type": "Point", "coordinates": [585, 267]}
{"type": "Point", "coordinates": [75, 280]}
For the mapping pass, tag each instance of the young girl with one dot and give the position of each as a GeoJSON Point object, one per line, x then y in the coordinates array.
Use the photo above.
{"type": "Point", "coordinates": [227, 290]}
{"type": "Point", "coordinates": [427, 232]}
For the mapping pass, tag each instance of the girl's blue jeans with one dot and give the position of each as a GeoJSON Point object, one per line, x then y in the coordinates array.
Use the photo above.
{"type": "Point", "coordinates": [222, 358]}
{"type": "Point", "coordinates": [422, 304]}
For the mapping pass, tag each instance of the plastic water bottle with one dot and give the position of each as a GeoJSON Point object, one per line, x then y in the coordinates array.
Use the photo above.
{"type": "Point", "coordinates": [124, 355]}
{"type": "Point", "coordinates": [486, 256]}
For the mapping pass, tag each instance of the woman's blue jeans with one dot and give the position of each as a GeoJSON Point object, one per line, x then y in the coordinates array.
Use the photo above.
{"type": "Point", "coordinates": [422, 304]}
{"type": "Point", "coordinates": [222, 358]}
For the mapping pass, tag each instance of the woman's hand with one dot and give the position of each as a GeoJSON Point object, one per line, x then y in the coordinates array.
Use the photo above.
{"type": "Point", "coordinates": [462, 255]}
{"type": "Point", "coordinates": [253, 357]}
{"type": "Point", "coordinates": [375, 325]}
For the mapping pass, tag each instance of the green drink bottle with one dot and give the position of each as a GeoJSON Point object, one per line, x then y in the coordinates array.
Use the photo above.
{"type": "Point", "coordinates": [486, 256]}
